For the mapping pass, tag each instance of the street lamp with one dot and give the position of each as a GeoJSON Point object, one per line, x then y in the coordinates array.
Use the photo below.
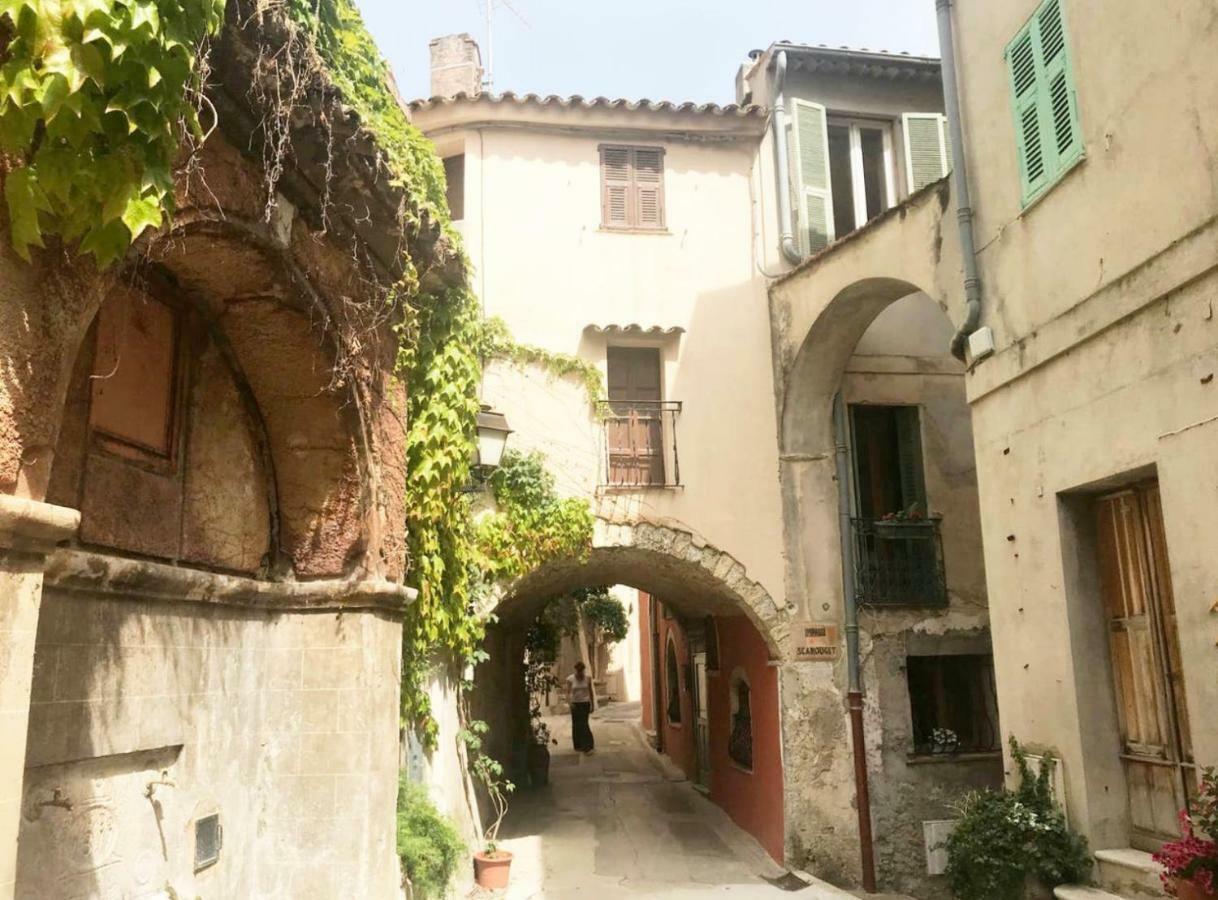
{"type": "Point", "coordinates": [493, 433]}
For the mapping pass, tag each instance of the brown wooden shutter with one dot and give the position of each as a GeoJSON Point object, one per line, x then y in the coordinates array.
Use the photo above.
{"type": "Point", "coordinates": [635, 424]}
{"type": "Point", "coordinates": [615, 187]}
{"type": "Point", "coordinates": [649, 187]}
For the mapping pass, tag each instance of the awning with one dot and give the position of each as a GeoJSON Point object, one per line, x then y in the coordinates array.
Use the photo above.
{"type": "Point", "coordinates": [634, 329]}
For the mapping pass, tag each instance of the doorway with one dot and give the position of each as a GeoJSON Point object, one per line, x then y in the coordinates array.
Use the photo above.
{"type": "Point", "coordinates": [1140, 614]}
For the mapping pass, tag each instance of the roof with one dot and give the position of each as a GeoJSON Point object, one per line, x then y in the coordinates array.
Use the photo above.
{"type": "Point", "coordinates": [858, 61]}
{"type": "Point", "coordinates": [575, 101]}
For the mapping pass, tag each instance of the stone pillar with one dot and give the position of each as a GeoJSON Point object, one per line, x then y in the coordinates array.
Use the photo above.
{"type": "Point", "coordinates": [456, 66]}
{"type": "Point", "coordinates": [28, 530]}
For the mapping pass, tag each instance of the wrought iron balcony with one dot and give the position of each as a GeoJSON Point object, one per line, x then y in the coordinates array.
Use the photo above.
{"type": "Point", "coordinates": [899, 562]}
{"type": "Point", "coordinates": [639, 445]}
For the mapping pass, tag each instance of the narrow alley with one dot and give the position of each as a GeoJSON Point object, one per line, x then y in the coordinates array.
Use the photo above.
{"type": "Point", "coordinates": [623, 823]}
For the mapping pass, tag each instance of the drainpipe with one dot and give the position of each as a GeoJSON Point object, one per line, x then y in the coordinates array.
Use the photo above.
{"type": "Point", "coordinates": [964, 207]}
{"type": "Point", "coordinates": [854, 694]}
{"type": "Point", "coordinates": [656, 703]}
{"type": "Point", "coordinates": [778, 124]}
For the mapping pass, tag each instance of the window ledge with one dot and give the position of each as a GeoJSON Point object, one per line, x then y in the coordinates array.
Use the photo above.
{"type": "Point", "coordinates": [929, 759]}
{"type": "Point", "coordinates": [739, 768]}
{"type": "Point", "coordinates": [609, 229]}
{"type": "Point", "coordinates": [630, 488]}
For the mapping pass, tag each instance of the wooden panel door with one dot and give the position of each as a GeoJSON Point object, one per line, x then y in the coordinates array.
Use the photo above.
{"type": "Point", "coordinates": [1145, 658]}
{"type": "Point", "coordinates": [634, 428]}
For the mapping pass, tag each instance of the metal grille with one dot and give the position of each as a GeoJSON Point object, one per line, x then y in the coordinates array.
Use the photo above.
{"type": "Point", "coordinates": [899, 563]}
{"type": "Point", "coordinates": [208, 839]}
{"type": "Point", "coordinates": [640, 443]}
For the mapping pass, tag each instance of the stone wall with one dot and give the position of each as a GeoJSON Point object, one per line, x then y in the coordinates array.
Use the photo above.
{"type": "Point", "coordinates": [147, 715]}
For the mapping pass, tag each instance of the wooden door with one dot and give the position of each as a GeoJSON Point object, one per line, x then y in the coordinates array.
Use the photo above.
{"type": "Point", "coordinates": [701, 719]}
{"type": "Point", "coordinates": [1145, 657]}
{"type": "Point", "coordinates": [634, 428]}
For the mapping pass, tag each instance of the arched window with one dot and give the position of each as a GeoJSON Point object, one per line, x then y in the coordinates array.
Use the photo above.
{"type": "Point", "coordinates": [740, 742]}
{"type": "Point", "coordinates": [673, 683]}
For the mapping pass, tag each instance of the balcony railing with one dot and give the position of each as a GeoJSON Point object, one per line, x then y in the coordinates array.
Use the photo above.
{"type": "Point", "coordinates": [640, 443]}
{"type": "Point", "coordinates": [899, 562]}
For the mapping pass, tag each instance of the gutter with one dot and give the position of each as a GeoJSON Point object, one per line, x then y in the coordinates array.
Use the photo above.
{"type": "Point", "coordinates": [854, 694]}
{"type": "Point", "coordinates": [778, 122]}
{"type": "Point", "coordinates": [964, 207]}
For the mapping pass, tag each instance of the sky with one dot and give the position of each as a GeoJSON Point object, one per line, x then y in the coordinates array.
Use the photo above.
{"type": "Point", "coordinates": [656, 49]}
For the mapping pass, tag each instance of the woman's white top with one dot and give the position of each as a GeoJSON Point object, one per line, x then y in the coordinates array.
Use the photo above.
{"type": "Point", "coordinates": [581, 690]}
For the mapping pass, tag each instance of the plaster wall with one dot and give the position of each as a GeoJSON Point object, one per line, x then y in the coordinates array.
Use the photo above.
{"type": "Point", "coordinates": [148, 715]}
{"type": "Point", "coordinates": [549, 270]}
{"type": "Point", "coordinates": [752, 797]}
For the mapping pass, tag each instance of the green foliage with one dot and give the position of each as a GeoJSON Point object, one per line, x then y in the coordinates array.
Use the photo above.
{"type": "Point", "coordinates": [606, 614]}
{"type": "Point", "coordinates": [533, 525]}
{"type": "Point", "coordinates": [497, 343]}
{"type": "Point", "coordinates": [1004, 837]}
{"type": "Point", "coordinates": [95, 99]}
{"type": "Point", "coordinates": [428, 844]}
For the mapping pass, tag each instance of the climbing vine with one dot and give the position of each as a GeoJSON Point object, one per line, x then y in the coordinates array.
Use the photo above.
{"type": "Point", "coordinates": [497, 343]}
{"type": "Point", "coordinates": [96, 97]}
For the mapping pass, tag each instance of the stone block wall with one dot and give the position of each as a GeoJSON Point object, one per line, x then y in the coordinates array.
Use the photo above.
{"type": "Point", "coordinates": [147, 715]}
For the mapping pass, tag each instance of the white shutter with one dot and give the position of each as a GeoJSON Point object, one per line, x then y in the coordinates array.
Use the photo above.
{"type": "Point", "coordinates": [615, 186]}
{"type": "Point", "coordinates": [927, 156]}
{"type": "Point", "coordinates": [813, 190]}
{"type": "Point", "coordinates": [649, 187]}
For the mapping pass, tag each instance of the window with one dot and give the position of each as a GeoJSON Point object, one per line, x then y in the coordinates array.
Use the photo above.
{"type": "Point", "coordinates": [860, 172]}
{"type": "Point", "coordinates": [898, 553]}
{"type": "Point", "coordinates": [888, 460]}
{"type": "Point", "coordinates": [672, 683]}
{"type": "Point", "coordinates": [134, 384]}
{"type": "Point", "coordinates": [454, 178]}
{"type": "Point", "coordinates": [632, 187]}
{"type": "Point", "coordinates": [1048, 139]}
{"type": "Point", "coordinates": [740, 741]}
{"type": "Point", "coordinates": [953, 703]}
{"type": "Point", "coordinates": [209, 838]}
{"type": "Point", "coordinates": [634, 423]}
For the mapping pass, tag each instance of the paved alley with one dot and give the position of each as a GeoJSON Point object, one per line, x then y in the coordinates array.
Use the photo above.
{"type": "Point", "coordinates": [617, 824]}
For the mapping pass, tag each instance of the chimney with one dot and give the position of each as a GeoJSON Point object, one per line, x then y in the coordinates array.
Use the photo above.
{"type": "Point", "coordinates": [456, 66]}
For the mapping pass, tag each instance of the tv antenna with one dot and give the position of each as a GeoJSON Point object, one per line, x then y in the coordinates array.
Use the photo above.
{"type": "Point", "coordinates": [490, 33]}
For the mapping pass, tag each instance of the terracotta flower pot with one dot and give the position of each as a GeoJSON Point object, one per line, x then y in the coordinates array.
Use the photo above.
{"type": "Point", "coordinates": [491, 870]}
{"type": "Point", "coordinates": [1186, 890]}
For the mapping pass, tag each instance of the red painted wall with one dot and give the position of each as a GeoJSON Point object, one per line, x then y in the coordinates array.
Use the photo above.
{"type": "Point", "coordinates": [644, 602]}
{"type": "Point", "coordinates": [753, 799]}
{"type": "Point", "coordinates": [679, 737]}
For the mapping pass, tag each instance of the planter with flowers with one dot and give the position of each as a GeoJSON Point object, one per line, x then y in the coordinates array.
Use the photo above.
{"type": "Point", "coordinates": [1190, 864]}
{"type": "Point", "coordinates": [902, 522]}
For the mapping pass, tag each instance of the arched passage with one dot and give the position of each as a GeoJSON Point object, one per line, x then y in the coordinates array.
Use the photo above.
{"type": "Point", "coordinates": [682, 583]}
{"type": "Point", "coordinates": [879, 339]}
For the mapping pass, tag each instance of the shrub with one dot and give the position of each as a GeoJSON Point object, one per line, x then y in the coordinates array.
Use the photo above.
{"type": "Point", "coordinates": [1003, 837]}
{"type": "Point", "coordinates": [428, 844]}
{"type": "Point", "coordinates": [1194, 857]}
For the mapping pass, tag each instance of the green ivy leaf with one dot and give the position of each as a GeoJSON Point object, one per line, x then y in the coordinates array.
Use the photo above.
{"type": "Point", "coordinates": [25, 200]}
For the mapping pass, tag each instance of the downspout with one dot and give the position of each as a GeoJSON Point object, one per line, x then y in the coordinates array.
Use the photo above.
{"type": "Point", "coordinates": [778, 124]}
{"type": "Point", "coordinates": [656, 704]}
{"type": "Point", "coordinates": [854, 694]}
{"type": "Point", "coordinates": [964, 207]}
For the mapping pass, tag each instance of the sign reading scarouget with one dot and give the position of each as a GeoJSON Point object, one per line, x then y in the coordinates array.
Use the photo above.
{"type": "Point", "coordinates": [814, 642]}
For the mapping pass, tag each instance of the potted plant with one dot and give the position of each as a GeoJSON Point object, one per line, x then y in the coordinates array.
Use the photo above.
{"type": "Point", "coordinates": [1190, 864]}
{"type": "Point", "coordinates": [537, 757]}
{"type": "Point", "coordinates": [891, 524]}
{"type": "Point", "coordinates": [944, 741]}
{"type": "Point", "coordinates": [492, 866]}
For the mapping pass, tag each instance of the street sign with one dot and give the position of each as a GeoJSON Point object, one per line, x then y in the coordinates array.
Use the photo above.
{"type": "Point", "coordinates": [815, 641]}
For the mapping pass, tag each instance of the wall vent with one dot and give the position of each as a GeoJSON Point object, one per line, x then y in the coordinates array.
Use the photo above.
{"type": "Point", "coordinates": [209, 838]}
{"type": "Point", "coordinates": [934, 833]}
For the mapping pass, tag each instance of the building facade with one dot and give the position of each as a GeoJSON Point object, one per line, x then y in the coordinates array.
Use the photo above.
{"type": "Point", "coordinates": [642, 238]}
{"type": "Point", "coordinates": [1089, 387]}
{"type": "Point", "coordinates": [202, 533]}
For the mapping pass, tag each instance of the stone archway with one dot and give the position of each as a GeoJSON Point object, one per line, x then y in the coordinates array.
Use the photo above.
{"type": "Point", "coordinates": [661, 558]}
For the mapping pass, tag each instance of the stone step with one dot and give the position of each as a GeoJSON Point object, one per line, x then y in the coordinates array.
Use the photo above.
{"type": "Point", "coordinates": [1128, 873]}
{"type": "Point", "coordinates": [1078, 892]}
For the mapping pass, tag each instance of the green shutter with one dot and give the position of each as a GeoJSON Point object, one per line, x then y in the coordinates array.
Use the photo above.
{"type": "Point", "coordinates": [926, 155]}
{"type": "Point", "coordinates": [810, 136]}
{"type": "Point", "coordinates": [1048, 138]}
{"type": "Point", "coordinates": [909, 458]}
{"type": "Point", "coordinates": [947, 143]}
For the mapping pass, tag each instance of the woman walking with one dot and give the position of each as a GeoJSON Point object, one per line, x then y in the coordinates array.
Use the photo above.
{"type": "Point", "coordinates": [582, 699]}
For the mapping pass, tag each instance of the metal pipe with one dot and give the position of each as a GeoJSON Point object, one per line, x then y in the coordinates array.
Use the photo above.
{"type": "Point", "coordinates": [854, 693]}
{"type": "Point", "coordinates": [778, 123]}
{"type": "Point", "coordinates": [964, 207]}
{"type": "Point", "coordinates": [656, 711]}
